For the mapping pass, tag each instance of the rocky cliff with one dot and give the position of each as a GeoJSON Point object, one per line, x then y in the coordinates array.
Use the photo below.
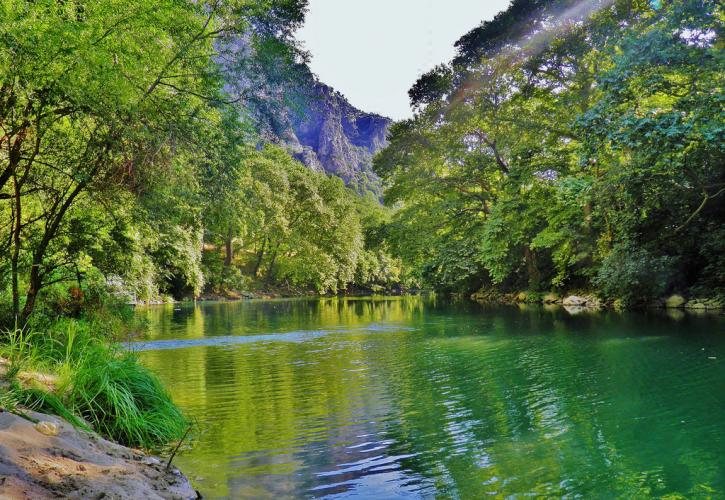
{"type": "Point", "coordinates": [328, 134]}
{"type": "Point", "coordinates": [291, 107]}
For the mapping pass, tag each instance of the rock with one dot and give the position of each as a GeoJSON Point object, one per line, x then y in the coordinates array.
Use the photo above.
{"type": "Point", "coordinates": [47, 428]}
{"type": "Point", "coordinates": [333, 136]}
{"type": "Point", "coordinates": [714, 303]}
{"type": "Point", "coordinates": [522, 297]}
{"type": "Point", "coordinates": [593, 302]}
{"type": "Point", "coordinates": [488, 296]}
{"type": "Point", "coordinates": [551, 298]}
{"type": "Point", "coordinates": [675, 301]}
{"type": "Point", "coordinates": [695, 304]}
{"type": "Point", "coordinates": [575, 301]}
{"type": "Point", "coordinates": [70, 464]}
{"type": "Point", "coordinates": [697, 312]}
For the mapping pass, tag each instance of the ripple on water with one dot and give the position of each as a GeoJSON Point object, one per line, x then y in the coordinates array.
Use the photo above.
{"type": "Point", "coordinates": [408, 397]}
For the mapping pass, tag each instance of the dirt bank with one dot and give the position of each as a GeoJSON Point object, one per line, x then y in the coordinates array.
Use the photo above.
{"type": "Point", "coordinates": [51, 459]}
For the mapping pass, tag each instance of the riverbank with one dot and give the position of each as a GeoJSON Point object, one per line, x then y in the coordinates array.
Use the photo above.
{"type": "Point", "coordinates": [46, 457]}
{"type": "Point", "coordinates": [75, 369]}
{"type": "Point", "coordinates": [591, 301]}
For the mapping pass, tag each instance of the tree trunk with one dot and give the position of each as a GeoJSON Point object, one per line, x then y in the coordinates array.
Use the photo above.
{"type": "Point", "coordinates": [229, 255]}
{"type": "Point", "coordinates": [260, 256]}
{"type": "Point", "coordinates": [270, 271]}
{"type": "Point", "coordinates": [13, 158]}
{"type": "Point", "coordinates": [17, 222]}
{"type": "Point", "coordinates": [532, 269]}
{"type": "Point", "coordinates": [35, 281]}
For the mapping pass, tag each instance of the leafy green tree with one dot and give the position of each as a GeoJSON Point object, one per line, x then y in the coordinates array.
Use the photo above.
{"type": "Point", "coordinates": [96, 100]}
{"type": "Point", "coordinates": [562, 141]}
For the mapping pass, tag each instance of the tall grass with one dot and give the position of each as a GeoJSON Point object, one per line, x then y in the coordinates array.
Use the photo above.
{"type": "Point", "coordinates": [98, 384]}
{"type": "Point", "coordinates": [19, 350]}
{"type": "Point", "coordinates": [122, 399]}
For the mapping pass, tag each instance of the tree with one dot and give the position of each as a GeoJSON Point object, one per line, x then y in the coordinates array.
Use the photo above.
{"type": "Point", "coordinates": [561, 136]}
{"type": "Point", "coordinates": [95, 98]}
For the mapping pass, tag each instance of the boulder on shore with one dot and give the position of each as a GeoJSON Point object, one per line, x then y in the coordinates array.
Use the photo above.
{"type": "Point", "coordinates": [675, 301]}
{"type": "Point", "coordinates": [575, 301]}
{"type": "Point", "coordinates": [52, 459]}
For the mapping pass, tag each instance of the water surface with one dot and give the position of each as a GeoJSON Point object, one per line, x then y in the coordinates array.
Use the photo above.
{"type": "Point", "coordinates": [419, 398]}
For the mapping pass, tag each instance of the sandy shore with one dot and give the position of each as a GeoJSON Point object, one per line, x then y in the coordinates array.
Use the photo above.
{"type": "Point", "coordinates": [51, 459]}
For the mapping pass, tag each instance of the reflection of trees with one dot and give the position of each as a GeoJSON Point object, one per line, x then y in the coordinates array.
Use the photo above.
{"type": "Point", "coordinates": [585, 409]}
{"type": "Point", "coordinates": [473, 401]}
{"type": "Point", "coordinates": [271, 409]}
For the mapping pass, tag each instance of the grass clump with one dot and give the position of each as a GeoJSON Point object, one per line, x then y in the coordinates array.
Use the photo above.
{"type": "Point", "coordinates": [96, 385]}
{"type": "Point", "coordinates": [122, 399]}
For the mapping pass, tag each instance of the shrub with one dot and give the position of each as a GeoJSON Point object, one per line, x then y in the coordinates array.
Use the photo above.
{"type": "Point", "coordinates": [221, 279]}
{"type": "Point", "coordinates": [105, 387]}
{"type": "Point", "coordinates": [123, 400]}
{"type": "Point", "coordinates": [633, 274]}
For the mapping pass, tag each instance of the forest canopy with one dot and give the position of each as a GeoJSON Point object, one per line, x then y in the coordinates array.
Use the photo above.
{"type": "Point", "coordinates": [133, 157]}
{"type": "Point", "coordinates": [568, 145]}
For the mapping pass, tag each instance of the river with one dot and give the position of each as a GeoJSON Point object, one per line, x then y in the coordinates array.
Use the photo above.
{"type": "Point", "coordinates": [414, 397]}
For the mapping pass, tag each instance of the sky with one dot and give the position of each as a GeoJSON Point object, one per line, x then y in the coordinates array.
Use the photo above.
{"type": "Point", "coordinates": [374, 50]}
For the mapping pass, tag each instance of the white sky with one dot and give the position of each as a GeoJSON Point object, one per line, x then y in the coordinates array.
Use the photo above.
{"type": "Point", "coordinates": [373, 50]}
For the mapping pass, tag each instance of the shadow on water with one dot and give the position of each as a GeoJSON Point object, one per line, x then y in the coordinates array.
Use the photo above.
{"type": "Point", "coordinates": [412, 396]}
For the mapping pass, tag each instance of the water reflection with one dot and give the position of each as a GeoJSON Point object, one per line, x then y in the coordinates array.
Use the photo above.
{"type": "Point", "coordinates": [393, 397]}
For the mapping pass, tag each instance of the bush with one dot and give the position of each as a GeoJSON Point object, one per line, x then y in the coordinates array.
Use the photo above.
{"type": "Point", "coordinates": [221, 279]}
{"type": "Point", "coordinates": [105, 387]}
{"type": "Point", "coordinates": [632, 274]}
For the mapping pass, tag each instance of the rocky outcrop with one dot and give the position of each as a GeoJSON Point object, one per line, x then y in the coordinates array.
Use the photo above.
{"type": "Point", "coordinates": [316, 123]}
{"type": "Point", "coordinates": [330, 135]}
{"type": "Point", "coordinates": [47, 458]}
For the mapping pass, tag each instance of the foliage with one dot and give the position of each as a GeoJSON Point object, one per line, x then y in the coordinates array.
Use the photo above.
{"type": "Point", "coordinates": [123, 400]}
{"type": "Point", "coordinates": [567, 146]}
{"type": "Point", "coordinates": [131, 140]}
{"type": "Point", "coordinates": [631, 273]}
{"type": "Point", "coordinates": [133, 167]}
{"type": "Point", "coordinates": [287, 225]}
{"type": "Point", "coordinates": [96, 384]}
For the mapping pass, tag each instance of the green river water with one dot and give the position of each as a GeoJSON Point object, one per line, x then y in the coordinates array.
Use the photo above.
{"type": "Point", "coordinates": [418, 397]}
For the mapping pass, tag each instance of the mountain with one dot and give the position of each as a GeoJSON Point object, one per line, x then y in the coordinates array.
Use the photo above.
{"type": "Point", "coordinates": [328, 134]}
{"type": "Point", "coordinates": [291, 107]}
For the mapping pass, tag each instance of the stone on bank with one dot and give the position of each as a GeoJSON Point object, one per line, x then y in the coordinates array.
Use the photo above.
{"type": "Point", "coordinates": [47, 457]}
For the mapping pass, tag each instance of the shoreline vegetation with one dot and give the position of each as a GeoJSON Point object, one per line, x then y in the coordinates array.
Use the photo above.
{"type": "Point", "coordinates": [583, 300]}
{"type": "Point", "coordinates": [77, 370]}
